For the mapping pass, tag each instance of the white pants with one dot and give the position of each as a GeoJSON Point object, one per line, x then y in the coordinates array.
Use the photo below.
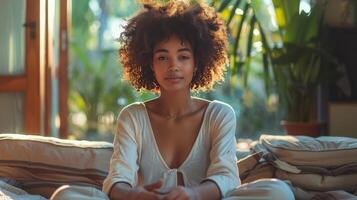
{"type": "Point", "coordinates": [267, 189]}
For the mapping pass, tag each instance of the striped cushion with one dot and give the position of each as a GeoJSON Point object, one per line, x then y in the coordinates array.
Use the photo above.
{"type": "Point", "coordinates": [319, 164]}
{"type": "Point", "coordinates": [42, 164]}
{"type": "Point", "coordinates": [324, 151]}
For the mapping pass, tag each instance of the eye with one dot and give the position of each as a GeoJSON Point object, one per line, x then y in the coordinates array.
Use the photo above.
{"type": "Point", "coordinates": [184, 57]}
{"type": "Point", "coordinates": [162, 58]}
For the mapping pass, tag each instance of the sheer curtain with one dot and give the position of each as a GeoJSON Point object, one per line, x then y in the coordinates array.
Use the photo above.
{"type": "Point", "coordinates": [12, 37]}
{"type": "Point", "coordinates": [12, 62]}
{"type": "Point", "coordinates": [11, 112]}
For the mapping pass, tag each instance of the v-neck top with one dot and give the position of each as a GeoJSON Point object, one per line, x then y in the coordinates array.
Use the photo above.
{"type": "Point", "coordinates": [137, 160]}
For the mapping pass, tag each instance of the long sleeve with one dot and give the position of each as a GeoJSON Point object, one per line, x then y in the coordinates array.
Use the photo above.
{"type": "Point", "coordinates": [223, 169]}
{"type": "Point", "coordinates": [124, 162]}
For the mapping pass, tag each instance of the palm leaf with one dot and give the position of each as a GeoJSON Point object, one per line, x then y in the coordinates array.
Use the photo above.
{"type": "Point", "coordinates": [223, 5]}
{"type": "Point", "coordinates": [238, 37]}
{"type": "Point", "coordinates": [233, 12]}
{"type": "Point", "coordinates": [266, 56]}
{"type": "Point", "coordinates": [249, 50]}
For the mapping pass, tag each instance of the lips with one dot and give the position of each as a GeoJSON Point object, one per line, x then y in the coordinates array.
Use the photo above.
{"type": "Point", "coordinates": [174, 79]}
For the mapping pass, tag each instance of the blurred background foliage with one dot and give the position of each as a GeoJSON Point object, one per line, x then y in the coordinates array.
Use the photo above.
{"type": "Point", "coordinates": [97, 93]}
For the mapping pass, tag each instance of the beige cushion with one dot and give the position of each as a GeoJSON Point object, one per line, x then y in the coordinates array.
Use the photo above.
{"type": "Point", "coordinates": [43, 164]}
{"type": "Point", "coordinates": [318, 182]}
{"type": "Point", "coordinates": [319, 164]}
{"type": "Point", "coordinates": [250, 169]}
{"type": "Point", "coordinates": [303, 150]}
{"type": "Point", "coordinates": [10, 192]}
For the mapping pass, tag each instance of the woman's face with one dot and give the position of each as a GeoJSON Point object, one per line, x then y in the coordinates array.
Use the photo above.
{"type": "Point", "coordinates": [173, 64]}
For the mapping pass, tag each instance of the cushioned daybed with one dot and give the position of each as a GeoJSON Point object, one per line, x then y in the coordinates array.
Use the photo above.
{"type": "Point", "coordinates": [33, 167]}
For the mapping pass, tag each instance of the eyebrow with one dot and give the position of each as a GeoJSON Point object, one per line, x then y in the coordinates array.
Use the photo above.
{"type": "Point", "coordinates": [179, 50]}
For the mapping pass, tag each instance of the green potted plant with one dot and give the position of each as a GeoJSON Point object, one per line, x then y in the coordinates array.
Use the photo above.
{"type": "Point", "coordinates": [295, 54]}
{"type": "Point", "coordinates": [301, 64]}
{"type": "Point", "coordinates": [298, 71]}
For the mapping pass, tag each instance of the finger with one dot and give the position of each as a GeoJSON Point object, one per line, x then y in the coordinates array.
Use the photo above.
{"type": "Point", "coordinates": [173, 194]}
{"type": "Point", "coordinates": [153, 186]}
{"type": "Point", "coordinates": [154, 196]}
{"type": "Point", "coordinates": [181, 197]}
{"type": "Point", "coordinates": [148, 196]}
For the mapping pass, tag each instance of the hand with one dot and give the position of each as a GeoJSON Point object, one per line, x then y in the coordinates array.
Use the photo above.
{"type": "Point", "coordinates": [145, 192]}
{"type": "Point", "coordinates": [153, 186]}
{"type": "Point", "coordinates": [181, 193]}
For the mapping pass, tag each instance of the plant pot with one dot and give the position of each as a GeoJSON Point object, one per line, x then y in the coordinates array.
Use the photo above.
{"type": "Point", "coordinates": [311, 129]}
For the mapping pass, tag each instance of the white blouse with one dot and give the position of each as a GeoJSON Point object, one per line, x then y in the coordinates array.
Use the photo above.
{"type": "Point", "coordinates": [213, 157]}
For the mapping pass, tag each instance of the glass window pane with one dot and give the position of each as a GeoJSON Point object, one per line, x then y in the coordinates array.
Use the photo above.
{"type": "Point", "coordinates": [12, 37]}
{"type": "Point", "coordinates": [11, 112]}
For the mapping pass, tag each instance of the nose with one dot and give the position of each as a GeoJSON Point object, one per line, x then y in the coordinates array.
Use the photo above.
{"type": "Point", "coordinates": [174, 65]}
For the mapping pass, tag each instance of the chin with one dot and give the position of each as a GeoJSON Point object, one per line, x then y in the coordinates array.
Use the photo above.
{"type": "Point", "coordinates": [175, 88]}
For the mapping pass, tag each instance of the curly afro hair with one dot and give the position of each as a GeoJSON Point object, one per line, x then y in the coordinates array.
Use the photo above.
{"type": "Point", "coordinates": [196, 23]}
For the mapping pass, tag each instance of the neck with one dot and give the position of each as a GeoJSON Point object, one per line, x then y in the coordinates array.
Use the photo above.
{"type": "Point", "coordinates": [176, 103]}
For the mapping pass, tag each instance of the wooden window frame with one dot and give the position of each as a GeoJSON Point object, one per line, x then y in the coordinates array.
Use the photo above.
{"type": "Point", "coordinates": [35, 82]}
{"type": "Point", "coordinates": [29, 83]}
{"type": "Point", "coordinates": [65, 19]}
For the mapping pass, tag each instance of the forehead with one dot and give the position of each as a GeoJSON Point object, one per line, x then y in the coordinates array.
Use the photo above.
{"type": "Point", "coordinates": [172, 43]}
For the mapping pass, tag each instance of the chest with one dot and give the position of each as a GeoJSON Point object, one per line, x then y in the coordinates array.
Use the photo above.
{"type": "Point", "coordinates": [176, 138]}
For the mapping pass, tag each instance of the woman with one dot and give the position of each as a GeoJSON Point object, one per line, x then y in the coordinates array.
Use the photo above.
{"type": "Point", "coordinates": [176, 146]}
{"type": "Point", "coordinates": [180, 145]}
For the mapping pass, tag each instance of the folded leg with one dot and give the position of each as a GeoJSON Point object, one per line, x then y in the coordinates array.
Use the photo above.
{"type": "Point", "coordinates": [74, 192]}
{"type": "Point", "coordinates": [262, 189]}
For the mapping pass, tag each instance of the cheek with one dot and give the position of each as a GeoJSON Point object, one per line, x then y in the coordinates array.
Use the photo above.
{"type": "Point", "coordinates": [159, 65]}
{"type": "Point", "coordinates": [158, 72]}
{"type": "Point", "coordinates": [190, 68]}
